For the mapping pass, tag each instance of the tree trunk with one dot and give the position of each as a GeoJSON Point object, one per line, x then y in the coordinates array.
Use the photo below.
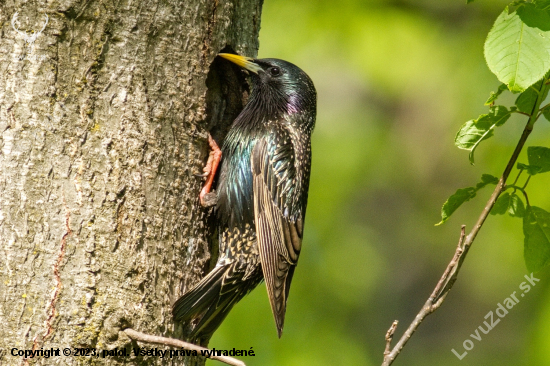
{"type": "Point", "coordinates": [103, 130]}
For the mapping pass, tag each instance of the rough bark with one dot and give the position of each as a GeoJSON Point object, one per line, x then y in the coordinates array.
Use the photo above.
{"type": "Point", "coordinates": [103, 128]}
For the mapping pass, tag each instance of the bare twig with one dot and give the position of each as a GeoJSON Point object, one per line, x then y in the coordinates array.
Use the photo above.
{"type": "Point", "coordinates": [172, 342]}
{"type": "Point", "coordinates": [389, 337]}
{"type": "Point", "coordinates": [449, 277]}
{"type": "Point", "coordinates": [434, 301]}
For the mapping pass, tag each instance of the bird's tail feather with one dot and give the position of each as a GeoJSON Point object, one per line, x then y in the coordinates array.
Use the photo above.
{"type": "Point", "coordinates": [211, 300]}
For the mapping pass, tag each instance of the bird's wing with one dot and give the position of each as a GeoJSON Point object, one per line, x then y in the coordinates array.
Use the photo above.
{"type": "Point", "coordinates": [278, 213]}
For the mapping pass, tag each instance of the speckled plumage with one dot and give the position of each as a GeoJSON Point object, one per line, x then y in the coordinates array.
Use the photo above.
{"type": "Point", "coordinates": [262, 197]}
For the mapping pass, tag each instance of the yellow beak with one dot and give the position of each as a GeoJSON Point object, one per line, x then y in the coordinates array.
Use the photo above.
{"type": "Point", "coordinates": [244, 62]}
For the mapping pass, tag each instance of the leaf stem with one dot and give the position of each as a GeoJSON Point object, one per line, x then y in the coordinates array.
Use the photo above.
{"type": "Point", "coordinates": [520, 112]}
{"type": "Point", "coordinates": [450, 275]}
{"type": "Point", "coordinates": [522, 190]}
{"type": "Point", "coordinates": [527, 181]}
{"type": "Point", "coordinates": [519, 174]}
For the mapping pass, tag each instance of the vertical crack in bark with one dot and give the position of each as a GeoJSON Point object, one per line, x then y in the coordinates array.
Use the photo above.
{"type": "Point", "coordinates": [58, 283]}
{"type": "Point", "coordinates": [56, 266]}
{"type": "Point", "coordinates": [209, 32]}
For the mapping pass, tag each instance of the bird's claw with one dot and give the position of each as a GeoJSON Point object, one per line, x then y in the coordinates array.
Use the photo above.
{"type": "Point", "coordinates": [210, 170]}
{"type": "Point", "coordinates": [209, 199]}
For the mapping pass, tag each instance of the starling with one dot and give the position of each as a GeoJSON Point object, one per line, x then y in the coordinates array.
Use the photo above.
{"type": "Point", "coordinates": [262, 194]}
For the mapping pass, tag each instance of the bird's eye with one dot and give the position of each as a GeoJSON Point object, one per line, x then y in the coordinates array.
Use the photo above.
{"type": "Point", "coordinates": [274, 71]}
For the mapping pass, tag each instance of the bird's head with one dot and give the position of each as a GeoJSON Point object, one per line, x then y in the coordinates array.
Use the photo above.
{"type": "Point", "coordinates": [278, 83]}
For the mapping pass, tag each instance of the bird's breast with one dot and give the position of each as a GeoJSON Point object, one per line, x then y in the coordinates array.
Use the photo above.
{"type": "Point", "coordinates": [235, 205]}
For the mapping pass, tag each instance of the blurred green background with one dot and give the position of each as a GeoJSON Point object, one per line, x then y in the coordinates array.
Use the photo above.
{"type": "Point", "coordinates": [395, 81]}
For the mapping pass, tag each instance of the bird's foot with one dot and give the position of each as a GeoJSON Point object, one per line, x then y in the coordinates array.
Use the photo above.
{"type": "Point", "coordinates": [209, 172]}
{"type": "Point", "coordinates": [210, 199]}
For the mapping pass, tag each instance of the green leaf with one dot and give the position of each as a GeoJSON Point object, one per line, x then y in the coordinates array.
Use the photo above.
{"type": "Point", "coordinates": [530, 169]}
{"type": "Point", "coordinates": [471, 134]}
{"type": "Point", "coordinates": [526, 100]}
{"type": "Point", "coordinates": [509, 203]}
{"type": "Point", "coordinates": [539, 156]}
{"type": "Point", "coordinates": [501, 205]}
{"type": "Point", "coordinates": [455, 201]}
{"type": "Point", "coordinates": [494, 95]}
{"type": "Point", "coordinates": [534, 17]}
{"type": "Point", "coordinates": [546, 114]}
{"type": "Point", "coordinates": [487, 179]}
{"type": "Point", "coordinates": [463, 195]}
{"type": "Point", "coordinates": [469, 1]}
{"type": "Point", "coordinates": [474, 131]}
{"type": "Point", "coordinates": [542, 4]}
{"type": "Point", "coordinates": [516, 207]}
{"type": "Point", "coordinates": [516, 52]}
{"type": "Point", "coordinates": [536, 228]}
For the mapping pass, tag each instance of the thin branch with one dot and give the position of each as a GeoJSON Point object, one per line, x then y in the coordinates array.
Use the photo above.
{"type": "Point", "coordinates": [172, 342]}
{"type": "Point", "coordinates": [435, 300]}
{"type": "Point", "coordinates": [451, 272]}
{"type": "Point", "coordinates": [389, 337]}
{"type": "Point", "coordinates": [449, 276]}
